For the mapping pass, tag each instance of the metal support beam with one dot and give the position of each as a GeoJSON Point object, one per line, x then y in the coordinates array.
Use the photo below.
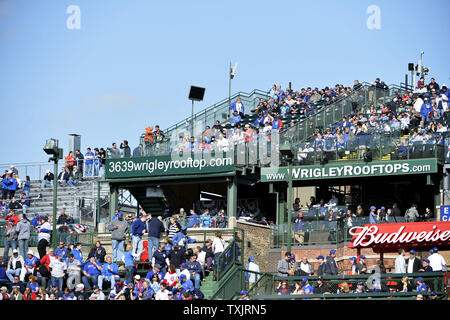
{"type": "Point", "coordinates": [232, 197]}
{"type": "Point", "coordinates": [113, 200]}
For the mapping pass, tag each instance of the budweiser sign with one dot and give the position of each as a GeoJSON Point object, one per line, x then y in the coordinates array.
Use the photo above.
{"type": "Point", "coordinates": [400, 234]}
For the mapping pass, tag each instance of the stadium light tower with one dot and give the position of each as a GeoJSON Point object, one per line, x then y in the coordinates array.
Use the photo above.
{"type": "Point", "coordinates": [232, 74]}
{"type": "Point", "coordinates": [51, 148]}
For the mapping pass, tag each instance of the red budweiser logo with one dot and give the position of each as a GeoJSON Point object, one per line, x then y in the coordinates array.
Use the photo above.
{"type": "Point", "coordinates": [396, 234]}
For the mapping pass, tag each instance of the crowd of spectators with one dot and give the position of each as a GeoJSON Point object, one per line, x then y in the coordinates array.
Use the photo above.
{"type": "Point", "coordinates": [327, 266]}
{"type": "Point", "coordinates": [422, 115]}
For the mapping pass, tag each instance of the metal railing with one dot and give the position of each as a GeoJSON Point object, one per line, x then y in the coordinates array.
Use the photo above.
{"type": "Point", "coordinates": [219, 222]}
{"type": "Point", "coordinates": [233, 254]}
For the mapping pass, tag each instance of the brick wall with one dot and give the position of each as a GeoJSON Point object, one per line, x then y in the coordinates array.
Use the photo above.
{"type": "Point", "coordinates": [258, 237]}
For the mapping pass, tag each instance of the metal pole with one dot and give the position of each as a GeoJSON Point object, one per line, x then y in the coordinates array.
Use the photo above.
{"type": "Point", "coordinates": [192, 121]}
{"type": "Point", "coordinates": [55, 193]}
{"type": "Point", "coordinates": [288, 206]}
{"type": "Point", "coordinates": [229, 92]}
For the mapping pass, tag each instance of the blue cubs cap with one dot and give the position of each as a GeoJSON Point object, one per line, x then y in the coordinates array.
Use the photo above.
{"type": "Point", "coordinates": [433, 293]}
{"type": "Point", "coordinates": [304, 280]}
{"type": "Point", "coordinates": [332, 251]}
{"type": "Point", "coordinates": [341, 210]}
{"type": "Point", "coordinates": [251, 259]}
{"type": "Point", "coordinates": [292, 256]}
{"type": "Point", "coordinates": [140, 214]}
{"type": "Point", "coordinates": [184, 265]}
{"type": "Point", "coordinates": [412, 251]}
{"type": "Point", "coordinates": [320, 257]}
{"type": "Point", "coordinates": [373, 208]}
{"type": "Point", "coordinates": [362, 256]}
{"type": "Point", "coordinates": [36, 214]}
{"type": "Point", "coordinates": [183, 276]}
{"type": "Point", "coordinates": [427, 261]}
{"type": "Point", "coordinates": [353, 258]}
{"type": "Point", "coordinates": [383, 208]}
{"type": "Point", "coordinates": [120, 215]}
{"type": "Point", "coordinates": [420, 279]}
{"type": "Point", "coordinates": [360, 283]}
{"type": "Point", "coordinates": [183, 228]}
{"type": "Point", "coordinates": [435, 249]}
{"type": "Point", "coordinates": [243, 292]}
{"type": "Point", "coordinates": [431, 251]}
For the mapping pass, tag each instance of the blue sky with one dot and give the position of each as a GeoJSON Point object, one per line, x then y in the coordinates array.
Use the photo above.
{"type": "Point", "coordinates": [131, 63]}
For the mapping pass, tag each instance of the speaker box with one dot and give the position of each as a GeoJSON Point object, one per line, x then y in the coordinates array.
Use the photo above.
{"type": "Point", "coordinates": [196, 93]}
{"type": "Point", "coordinates": [410, 66]}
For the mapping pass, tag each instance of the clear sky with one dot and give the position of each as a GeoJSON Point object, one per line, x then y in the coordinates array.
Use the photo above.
{"type": "Point", "coordinates": [131, 62]}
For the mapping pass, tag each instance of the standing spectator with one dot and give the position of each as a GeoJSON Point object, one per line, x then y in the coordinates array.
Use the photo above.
{"type": "Point", "coordinates": [119, 228]}
{"type": "Point", "coordinates": [89, 161]}
{"type": "Point", "coordinates": [61, 250]}
{"type": "Point", "coordinates": [173, 228]}
{"type": "Point", "coordinates": [27, 186]}
{"type": "Point", "coordinates": [102, 159]}
{"type": "Point", "coordinates": [305, 268]}
{"type": "Point", "coordinates": [182, 238]}
{"type": "Point", "coordinates": [23, 234]}
{"type": "Point", "coordinates": [44, 231]}
{"type": "Point", "coordinates": [70, 160]}
{"type": "Point", "coordinates": [218, 247]}
{"type": "Point", "coordinates": [252, 277]}
{"type": "Point", "coordinates": [77, 253]}
{"type": "Point", "coordinates": [331, 267]}
{"type": "Point", "coordinates": [400, 265]}
{"type": "Point", "coordinates": [73, 271]}
{"type": "Point", "coordinates": [91, 271]}
{"type": "Point", "coordinates": [138, 229]}
{"type": "Point", "coordinates": [10, 239]}
{"type": "Point", "coordinates": [80, 160]}
{"type": "Point", "coordinates": [413, 263]}
{"type": "Point", "coordinates": [109, 271]}
{"type": "Point", "coordinates": [437, 261]}
{"type": "Point", "coordinates": [209, 255]}
{"type": "Point", "coordinates": [284, 265]}
{"type": "Point", "coordinates": [159, 257]}
{"type": "Point", "coordinates": [58, 270]}
{"type": "Point", "coordinates": [126, 149]}
{"type": "Point", "coordinates": [138, 151]}
{"type": "Point", "coordinates": [373, 217]}
{"type": "Point", "coordinates": [98, 252]}
{"type": "Point", "coordinates": [177, 257]}
{"type": "Point", "coordinates": [412, 214]}
{"type": "Point", "coordinates": [15, 265]}
{"type": "Point", "coordinates": [114, 151]}
{"type": "Point", "coordinates": [97, 162]}
{"type": "Point", "coordinates": [155, 228]}
{"type": "Point", "coordinates": [128, 263]}
{"type": "Point", "coordinates": [6, 186]}
{"type": "Point", "coordinates": [48, 179]}
{"type": "Point", "coordinates": [29, 265]}
{"type": "Point", "coordinates": [321, 268]}
{"type": "Point", "coordinates": [361, 266]}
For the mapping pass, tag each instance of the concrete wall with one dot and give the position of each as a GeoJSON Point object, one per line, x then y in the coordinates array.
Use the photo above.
{"type": "Point", "coordinates": [257, 243]}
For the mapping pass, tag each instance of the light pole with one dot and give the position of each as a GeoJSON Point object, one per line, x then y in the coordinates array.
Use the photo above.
{"type": "Point", "coordinates": [232, 74]}
{"type": "Point", "coordinates": [51, 148]}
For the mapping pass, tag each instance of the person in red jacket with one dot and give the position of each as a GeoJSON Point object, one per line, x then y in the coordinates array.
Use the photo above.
{"type": "Point", "coordinates": [45, 261]}
{"type": "Point", "coordinates": [12, 215]}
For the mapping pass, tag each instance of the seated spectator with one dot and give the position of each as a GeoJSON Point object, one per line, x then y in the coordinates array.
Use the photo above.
{"type": "Point", "coordinates": [195, 270]}
{"type": "Point", "coordinates": [206, 220]}
{"type": "Point", "coordinates": [47, 180]}
{"type": "Point", "coordinates": [91, 271]}
{"type": "Point", "coordinates": [75, 177]}
{"type": "Point", "coordinates": [15, 265]}
{"type": "Point", "coordinates": [193, 220]}
{"type": "Point", "coordinates": [283, 288]}
{"type": "Point", "coordinates": [238, 108]}
{"type": "Point", "coordinates": [235, 118]}
{"type": "Point", "coordinates": [109, 271]}
{"type": "Point", "coordinates": [321, 287]}
{"type": "Point", "coordinates": [63, 177]}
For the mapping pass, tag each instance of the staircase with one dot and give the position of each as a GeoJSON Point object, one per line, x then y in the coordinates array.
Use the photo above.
{"type": "Point", "coordinates": [209, 287]}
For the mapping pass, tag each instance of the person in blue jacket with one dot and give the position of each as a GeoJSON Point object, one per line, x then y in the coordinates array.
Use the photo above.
{"type": "Point", "coordinates": [205, 218]}
{"type": "Point", "coordinates": [109, 272]}
{"type": "Point", "coordinates": [91, 272]}
{"type": "Point", "coordinates": [27, 186]}
{"type": "Point", "coordinates": [182, 238]}
{"type": "Point", "coordinates": [373, 215]}
{"type": "Point", "coordinates": [426, 110]}
{"type": "Point", "coordinates": [195, 269]}
{"type": "Point", "coordinates": [138, 228]}
{"type": "Point", "coordinates": [238, 106]}
{"type": "Point", "coordinates": [77, 253]}
{"type": "Point", "coordinates": [193, 219]}
{"type": "Point", "coordinates": [6, 186]}
{"type": "Point", "coordinates": [61, 251]}
{"type": "Point", "coordinates": [185, 283]}
{"type": "Point", "coordinates": [235, 118]}
{"type": "Point", "coordinates": [129, 263]}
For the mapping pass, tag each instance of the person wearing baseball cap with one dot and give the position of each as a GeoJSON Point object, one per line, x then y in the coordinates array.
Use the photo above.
{"type": "Point", "coordinates": [119, 229]}
{"type": "Point", "coordinates": [243, 295]}
{"type": "Point", "coordinates": [321, 287]}
{"type": "Point", "coordinates": [426, 266]}
{"type": "Point", "coordinates": [437, 261]}
{"type": "Point", "coordinates": [331, 267]}
{"type": "Point", "coordinates": [361, 265]}
{"type": "Point", "coordinates": [421, 286]}
{"type": "Point", "coordinates": [47, 180]}
{"type": "Point", "coordinates": [320, 269]}
{"type": "Point", "coordinates": [15, 265]}
{"type": "Point", "coordinates": [373, 215]}
{"type": "Point", "coordinates": [354, 269]}
{"type": "Point", "coordinates": [360, 287]}
{"type": "Point", "coordinates": [413, 263]}
{"type": "Point", "coordinates": [307, 288]}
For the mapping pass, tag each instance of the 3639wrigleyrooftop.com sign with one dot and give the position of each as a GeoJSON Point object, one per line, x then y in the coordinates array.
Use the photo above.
{"type": "Point", "coordinates": [166, 166]}
{"type": "Point", "coordinates": [351, 170]}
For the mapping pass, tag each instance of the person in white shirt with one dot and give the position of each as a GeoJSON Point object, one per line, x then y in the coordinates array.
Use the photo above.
{"type": "Point", "coordinates": [163, 293]}
{"type": "Point", "coordinates": [437, 262]}
{"type": "Point", "coordinates": [218, 247]}
{"type": "Point", "coordinates": [185, 271]}
{"type": "Point", "coordinates": [250, 276]}
{"type": "Point", "coordinates": [58, 268]}
{"type": "Point", "coordinates": [400, 264]}
{"type": "Point", "coordinates": [15, 265]}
